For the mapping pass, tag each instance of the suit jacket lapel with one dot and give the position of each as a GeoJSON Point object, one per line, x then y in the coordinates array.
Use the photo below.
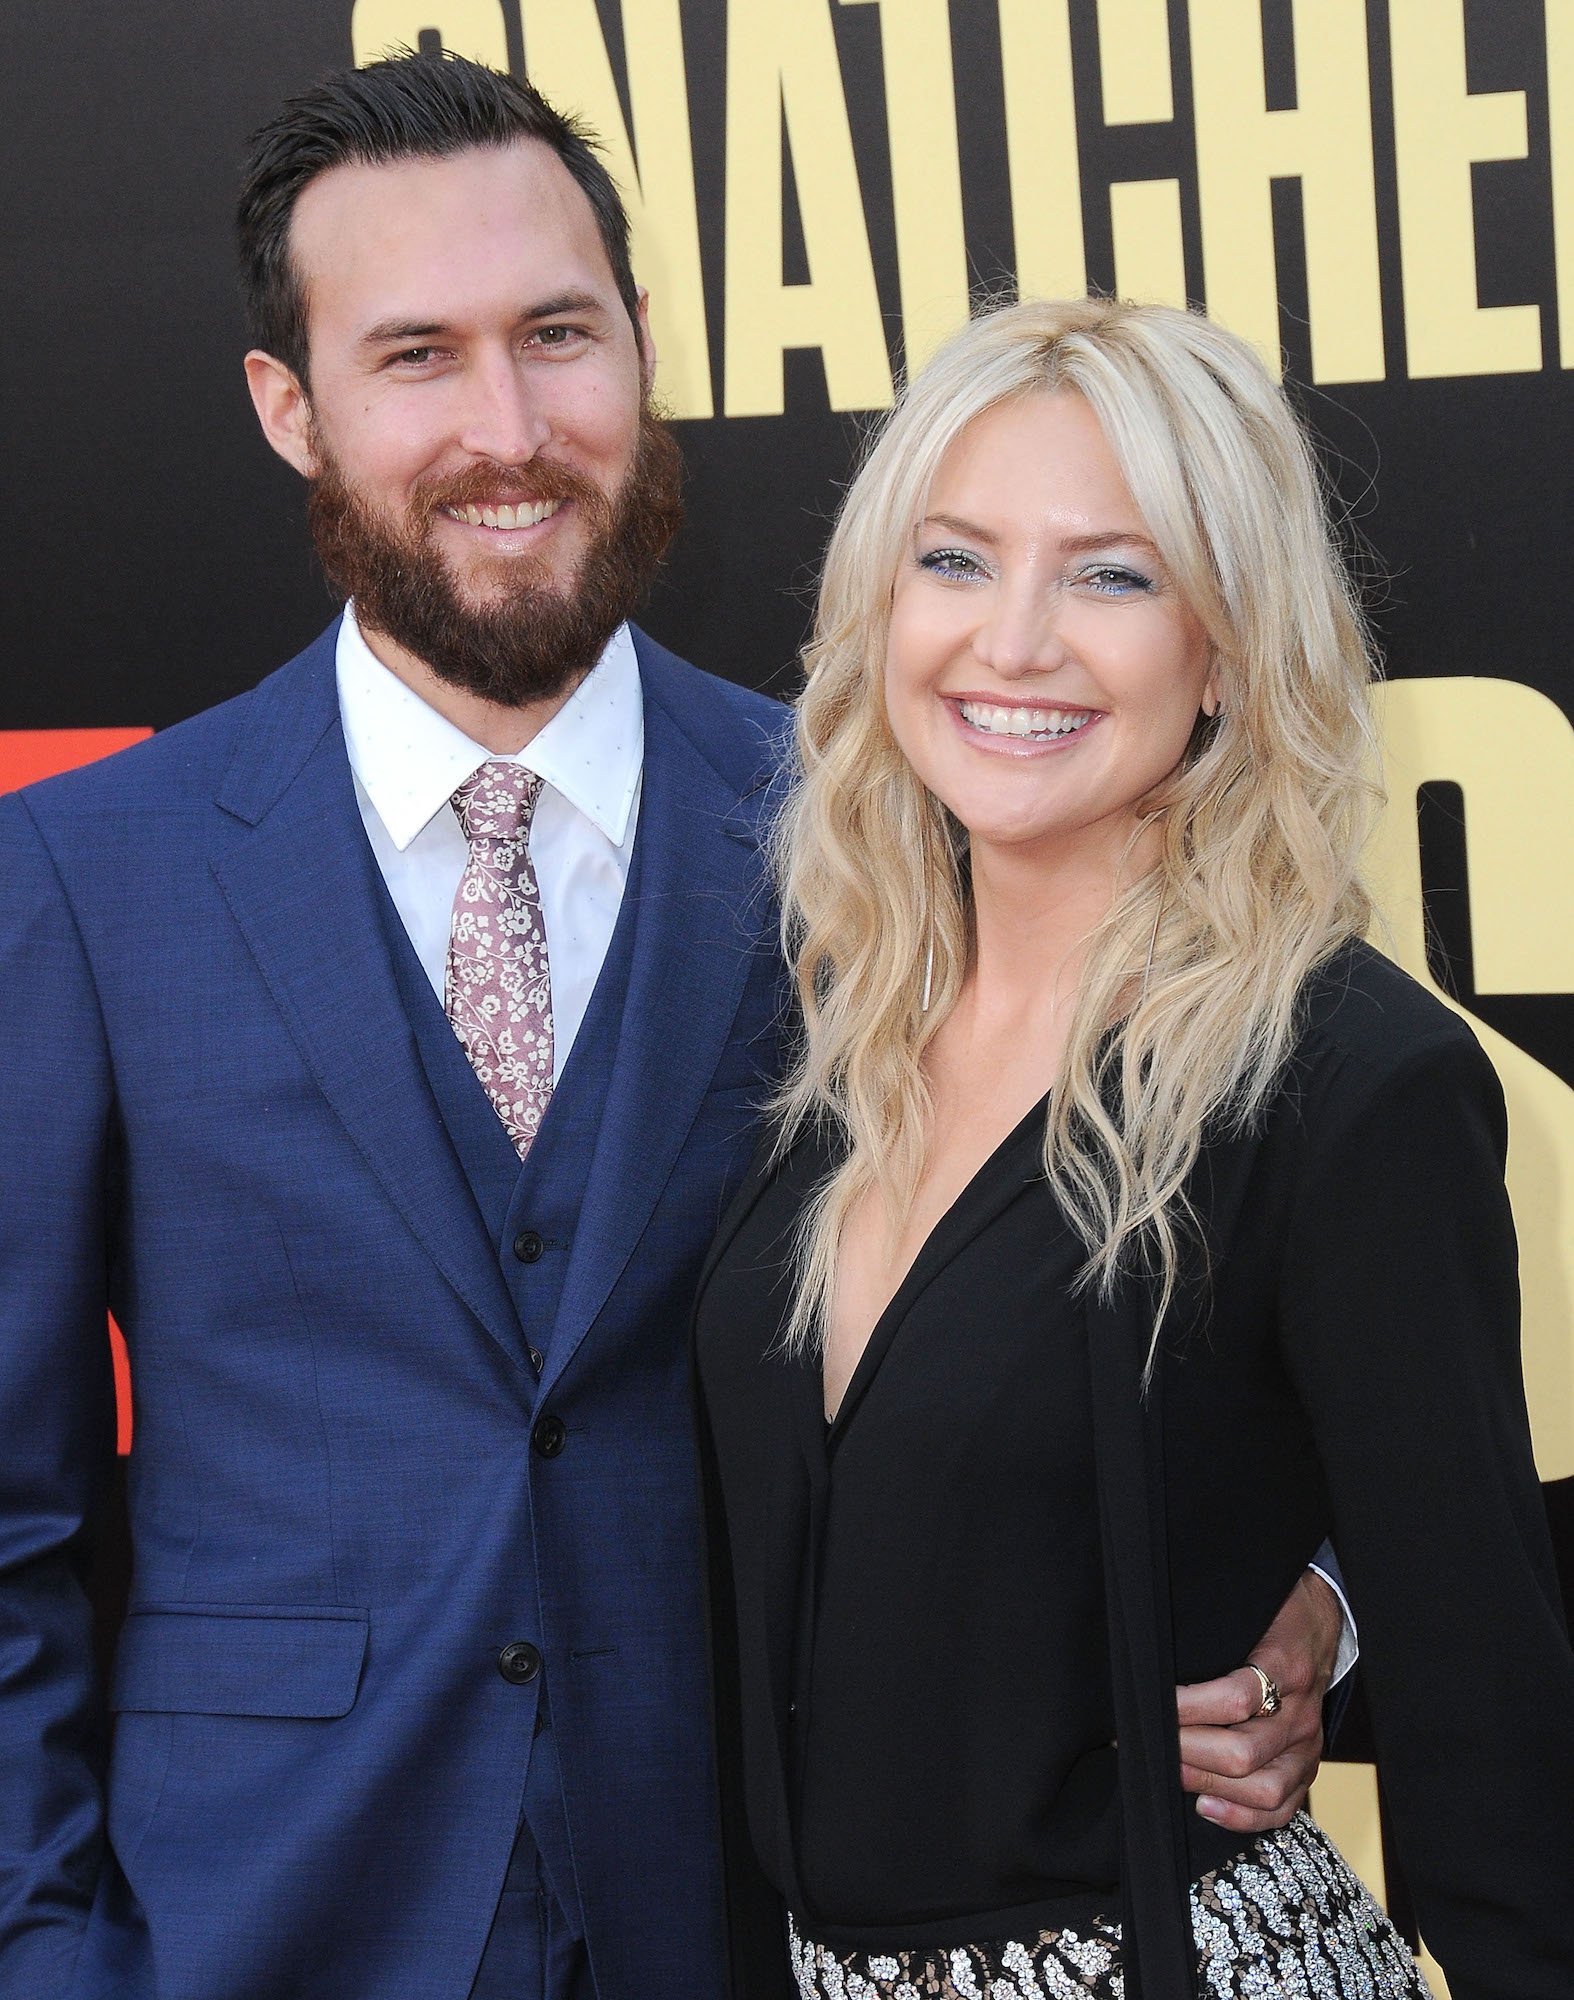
{"type": "Point", "coordinates": [700, 875]}
{"type": "Point", "coordinates": [302, 885]}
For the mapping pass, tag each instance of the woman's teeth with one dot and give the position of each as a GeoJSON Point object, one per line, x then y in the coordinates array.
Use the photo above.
{"type": "Point", "coordinates": [526, 515]}
{"type": "Point", "coordinates": [1041, 722]}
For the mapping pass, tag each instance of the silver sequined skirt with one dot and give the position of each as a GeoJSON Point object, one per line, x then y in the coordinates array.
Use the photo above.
{"type": "Point", "coordinates": [1286, 1921]}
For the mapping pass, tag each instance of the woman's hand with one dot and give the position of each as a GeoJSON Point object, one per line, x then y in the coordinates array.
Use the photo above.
{"type": "Point", "coordinates": [1253, 1771]}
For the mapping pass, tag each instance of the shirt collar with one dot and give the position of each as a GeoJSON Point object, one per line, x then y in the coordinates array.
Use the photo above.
{"type": "Point", "coordinates": [410, 760]}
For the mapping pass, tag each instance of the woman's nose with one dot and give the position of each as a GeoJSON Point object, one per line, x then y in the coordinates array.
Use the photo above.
{"type": "Point", "coordinates": [1021, 632]}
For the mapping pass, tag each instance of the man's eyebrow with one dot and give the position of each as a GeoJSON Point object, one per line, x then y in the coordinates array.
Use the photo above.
{"type": "Point", "coordinates": [400, 329]}
{"type": "Point", "coordinates": [390, 331]}
{"type": "Point", "coordinates": [564, 303]}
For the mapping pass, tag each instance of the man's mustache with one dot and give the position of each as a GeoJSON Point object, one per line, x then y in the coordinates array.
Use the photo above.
{"type": "Point", "coordinates": [490, 482]}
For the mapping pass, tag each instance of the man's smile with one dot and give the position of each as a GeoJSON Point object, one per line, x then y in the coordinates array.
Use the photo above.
{"type": "Point", "coordinates": [522, 514]}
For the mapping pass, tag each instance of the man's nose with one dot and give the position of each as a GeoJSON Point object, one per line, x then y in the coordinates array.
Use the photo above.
{"type": "Point", "coordinates": [503, 417]}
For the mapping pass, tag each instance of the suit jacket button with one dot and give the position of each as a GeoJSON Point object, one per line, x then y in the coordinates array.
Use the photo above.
{"type": "Point", "coordinates": [519, 1663]}
{"type": "Point", "coordinates": [528, 1246]}
{"type": "Point", "coordinates": [548, 1436]}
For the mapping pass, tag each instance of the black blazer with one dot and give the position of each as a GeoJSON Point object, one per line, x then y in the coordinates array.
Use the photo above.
{"type": "Point", "coordinates": [1344, 1363]}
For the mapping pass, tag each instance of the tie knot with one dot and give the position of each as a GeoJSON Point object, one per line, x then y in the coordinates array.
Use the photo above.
{"type": "Point", "coordinates": [496, 802]}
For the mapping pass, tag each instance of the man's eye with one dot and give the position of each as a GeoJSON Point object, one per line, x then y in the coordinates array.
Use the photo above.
{"type": "Point", "coordinates": [413, 357]}
{"type": "Point", "coordinates": [557, 336]}
{"type": "Point", "coordinates": [951, 562]}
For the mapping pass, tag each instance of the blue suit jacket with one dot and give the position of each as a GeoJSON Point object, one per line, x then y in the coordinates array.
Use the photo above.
{"type": "Point", "coordinates": [219, 1122]}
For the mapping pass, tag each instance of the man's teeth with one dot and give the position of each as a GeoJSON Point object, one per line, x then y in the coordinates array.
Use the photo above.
{"type": "Point", "coordinates": [996, 721]}
{"type": "Point", "coordinates": [526, 515]}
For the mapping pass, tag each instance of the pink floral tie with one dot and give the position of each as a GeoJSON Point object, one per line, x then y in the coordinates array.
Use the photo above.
{"type": "Point", "coordinates": [498, 995]}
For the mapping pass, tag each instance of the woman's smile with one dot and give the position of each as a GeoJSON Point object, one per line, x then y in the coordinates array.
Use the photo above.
{"type": "Point", "coordinates": [1018, 729]}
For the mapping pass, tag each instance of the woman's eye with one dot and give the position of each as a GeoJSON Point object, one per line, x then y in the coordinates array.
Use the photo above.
{"type": "Point", "coordinates": [951, 562]}
{"type": "Point", "coordinates": [1115, 580]}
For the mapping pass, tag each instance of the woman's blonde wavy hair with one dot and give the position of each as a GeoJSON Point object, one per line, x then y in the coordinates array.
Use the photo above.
{"type": "Point", "coordinates": [1186, 1009]}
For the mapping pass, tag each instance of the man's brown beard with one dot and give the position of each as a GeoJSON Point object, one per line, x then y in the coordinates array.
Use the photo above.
{"type": "Point", "coordinates": [536, 639]}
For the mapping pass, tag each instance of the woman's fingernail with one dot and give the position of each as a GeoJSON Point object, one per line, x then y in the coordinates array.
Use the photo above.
{"type": "Point", "coordinates": [1211, 1808]}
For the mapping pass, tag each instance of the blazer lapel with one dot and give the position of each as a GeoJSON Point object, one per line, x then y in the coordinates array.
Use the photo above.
{"type": "Point", "coordinates": [302, 885]}
{"type": "Point", "coordinates": [700, 874]}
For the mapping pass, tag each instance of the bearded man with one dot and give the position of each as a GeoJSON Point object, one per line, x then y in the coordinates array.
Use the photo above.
{"type": "Point", "coordinates": [381, 1047]}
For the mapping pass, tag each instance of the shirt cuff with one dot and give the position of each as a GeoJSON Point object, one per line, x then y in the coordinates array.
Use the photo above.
{"type": "Point", "coordinates": [1349, 1640]}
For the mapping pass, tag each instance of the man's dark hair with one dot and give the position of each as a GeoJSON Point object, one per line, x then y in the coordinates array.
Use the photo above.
{"type": "Point", "coordinates": [408, 106]}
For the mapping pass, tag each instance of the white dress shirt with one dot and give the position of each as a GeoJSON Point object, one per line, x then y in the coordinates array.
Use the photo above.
{"type": "Point", "coordinates": [408, 761]}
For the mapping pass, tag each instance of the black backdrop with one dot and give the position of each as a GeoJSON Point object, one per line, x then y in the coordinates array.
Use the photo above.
{"type": "Point", "coordinates": [157, 558]}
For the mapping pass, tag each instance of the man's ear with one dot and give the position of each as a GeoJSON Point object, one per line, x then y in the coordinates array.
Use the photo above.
{"type": "Point", "coordinates": [647, 346]}
{"type": "Point", "coordinates": [283, 410]}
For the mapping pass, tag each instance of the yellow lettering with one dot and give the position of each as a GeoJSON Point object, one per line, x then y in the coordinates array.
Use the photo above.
{"type": "Point", "coordinates": [1145, 221]}
{"type": "Point", "coordinates": [1134, 62]}
{"type": "Point", "coordinates": [926, 174]}
{"type": "Point", "coordinates": [1440, 128]}
{"type": "Point", "coordinates": [471, 28]}
{"type": "Point", "coordinates": [1041, 149]}
{"type": "Point", "coordinates": [567, 61]}
{"type": "Point", "coordinates": [1560, 103]}
{"type": "Point", "coordinates": [1519, 818]}
{"type": "Point", "coordinates": [783, 75]}
{"type": "Point", "coordinates": [1519, 803]}
{"type": "Point", "coordinates": [1343, 1802]}
{"type": "Point", "coordinates": [1137, 88]}
{"type": "Point", "coordinates": [1326, 143]}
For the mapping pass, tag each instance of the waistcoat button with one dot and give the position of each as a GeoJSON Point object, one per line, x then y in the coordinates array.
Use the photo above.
{"type": "Point", "coordinates": [519, 1663]}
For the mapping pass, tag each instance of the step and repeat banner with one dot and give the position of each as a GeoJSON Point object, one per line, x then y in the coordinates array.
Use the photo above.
{"type": "Point", "coordinates": [1379, 193]}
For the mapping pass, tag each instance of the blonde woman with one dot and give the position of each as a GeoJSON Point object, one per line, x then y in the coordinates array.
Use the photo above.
{"type": "Point", "coordinates": [1131, 1226]}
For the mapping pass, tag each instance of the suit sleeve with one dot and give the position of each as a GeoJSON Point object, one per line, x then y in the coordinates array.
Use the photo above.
{"type": "Point", "coordinates": [756, 1915]}
{"type": "Point", "coordinates": [56, 1414]}
{"type": "Point", "coordinates": [1400, 1319]}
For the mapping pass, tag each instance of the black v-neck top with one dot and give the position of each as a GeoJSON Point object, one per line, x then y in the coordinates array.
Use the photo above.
{"type": "Point", "coordinates": [924, 1582]}
{"type": "Point", "coordinates": [917, 1637]}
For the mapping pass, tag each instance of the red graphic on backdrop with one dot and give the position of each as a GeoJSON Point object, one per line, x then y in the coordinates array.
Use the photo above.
{"type": "Point", "coordinates": [29, 754]}
{"type": "Point", "coordinates": [25, 756]}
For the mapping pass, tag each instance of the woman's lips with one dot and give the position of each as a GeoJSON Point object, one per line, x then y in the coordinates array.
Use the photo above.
{"type": "Point", "coordinates": [1021, 728]}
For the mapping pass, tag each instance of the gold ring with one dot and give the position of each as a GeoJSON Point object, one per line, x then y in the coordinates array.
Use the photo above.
{"type": "Point", "coordinates": [1271, 1699]}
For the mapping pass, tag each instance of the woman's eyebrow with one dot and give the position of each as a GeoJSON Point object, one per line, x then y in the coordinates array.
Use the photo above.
{"type": "Point", "coordinates": [1076, 545]}
{"type": "Point", "coordinates": [956, 524]}
{"type": "Point", "coordinates": [1103, 538]}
